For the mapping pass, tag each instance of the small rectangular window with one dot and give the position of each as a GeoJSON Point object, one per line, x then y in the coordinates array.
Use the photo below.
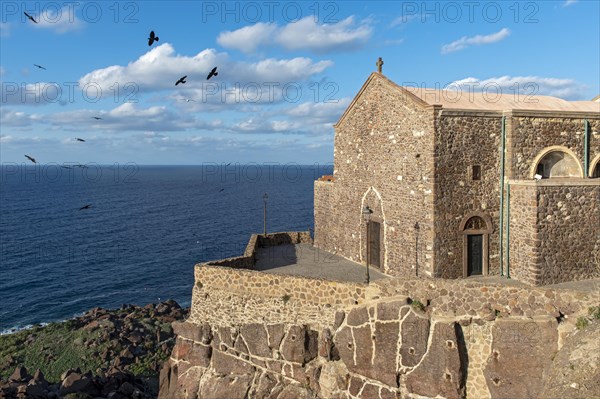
{"type": "Point", "coordinates": [476, 172]}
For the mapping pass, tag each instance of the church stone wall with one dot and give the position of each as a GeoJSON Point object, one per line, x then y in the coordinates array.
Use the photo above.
{"type": "Point", "coordinates": [384, 155]}
{"type": "Point", "coordinates": [464, 140]}
{"type": "Point", "coordinates": [529, 134]}
{"type": "Point", "coordinates": [569, 232]}
{"type": "Point", "coordinates": [555, 232]}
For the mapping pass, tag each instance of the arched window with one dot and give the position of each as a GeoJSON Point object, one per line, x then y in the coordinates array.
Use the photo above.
{"type": "Point", "coordinates": [475, 223]}
{"type": "Point", "coordinates": [595, 167]}
{"type": "Point", "coordinates": [558, 162]}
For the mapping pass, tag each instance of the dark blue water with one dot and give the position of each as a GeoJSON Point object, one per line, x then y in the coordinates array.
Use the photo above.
{"type": "Point", "coordinates": [147, 227]}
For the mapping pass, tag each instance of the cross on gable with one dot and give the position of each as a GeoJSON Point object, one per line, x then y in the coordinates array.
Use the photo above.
{"type": "Point", "coordinates": [379, 64]}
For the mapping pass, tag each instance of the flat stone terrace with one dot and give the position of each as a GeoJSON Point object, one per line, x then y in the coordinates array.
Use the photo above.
{"type": "Point", "coordinates": [305, 260]}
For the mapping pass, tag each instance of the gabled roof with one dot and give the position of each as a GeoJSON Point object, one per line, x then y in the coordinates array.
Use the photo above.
{"type": "Point", "coordinates": [377, 75]}
{"type": "Point", "coordinates": [495, 100]}
{"type": "Point", "coordinates": [492, 100]}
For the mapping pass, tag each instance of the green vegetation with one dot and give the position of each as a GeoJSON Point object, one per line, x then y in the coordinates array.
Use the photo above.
{"type": "Point", "coordinates": [418, 305]}
{"type": "Point", "coordinates": [594, 311]}
{"type": "Point", "coordinates": [91, 344]}
{"type": "Point", "coordinates": [582, 323]}
{"type": "Point", "coordinates": [53, 349]}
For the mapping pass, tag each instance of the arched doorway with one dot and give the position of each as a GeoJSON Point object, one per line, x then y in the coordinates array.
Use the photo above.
{"type": "Point", "coordinates": [475, 229]}
{"type": "Point", "coordinates": [555, 162]}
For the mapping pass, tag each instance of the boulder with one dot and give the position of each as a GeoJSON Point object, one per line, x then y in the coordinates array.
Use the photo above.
{"type": "Point", "coordinates": [522, 349]}
{"type": "Point", "coordinates": [79, 383]}
{"type": "Point", "coordinates": [19, 375]}
{"type": "Point", "coordinates": [225, 387]}
{"type": "Point", "coordinates": [442, 372]}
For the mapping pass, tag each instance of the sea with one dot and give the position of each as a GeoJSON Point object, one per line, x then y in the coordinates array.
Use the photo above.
{"type": "Point", "coordinates": [138, 242]}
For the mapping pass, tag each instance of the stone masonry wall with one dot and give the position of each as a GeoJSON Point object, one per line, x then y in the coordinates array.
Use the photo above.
{"type": "Point", "coordinates": [569, 232]}
{"type": "Point", "coordinates": [383, 159]}
{"type": "Point", "coordinates": [528, 135]}
{"type": "Point", "coordinates": [223, 297]}
{"type": "Point", "coordinates": [555, 233]}
{"type": "Point", "coordinates": [462, 141]}
{"type": "Point", "coordinates": [414, 339]}
{"type": "Point", "coordinates": [522, 236]}
{"type": "Point", "coordinates": [247, 260]}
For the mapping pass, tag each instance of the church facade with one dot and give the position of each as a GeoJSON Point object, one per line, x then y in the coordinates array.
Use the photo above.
{"type": "Point", "coordinates": [455, 184]}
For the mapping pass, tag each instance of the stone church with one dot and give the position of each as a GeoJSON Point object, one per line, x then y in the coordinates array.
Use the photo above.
{"type": "Point", "coordinates": [456, 184]}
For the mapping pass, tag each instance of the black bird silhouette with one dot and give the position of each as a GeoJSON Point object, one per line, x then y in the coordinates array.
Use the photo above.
{"type": "Point", "coordinates": [221, 190]}
{"type": "Point", "coordinates": [30, 17]}
{"type": "Point", "coordinates": [181, 80]}
{"type": "Point", "coordinates": [152, 38]}
{"type": "Point", "coordinates": [39, 66]}
{"type": "Point", "coordinates": [78, 139]}
{"type": "Point", "coordinates": [31, 158]}
{"type": "Point", "coordinates": [212, 73]}
{"type": "Point", "coordinates": [81, 166]}
{"type": "Point", "coordinates": [88, 206]}
{"type": "Point", "coordinates": [66, 167]}
{"type": "Point", "coordinates": [96, 118]}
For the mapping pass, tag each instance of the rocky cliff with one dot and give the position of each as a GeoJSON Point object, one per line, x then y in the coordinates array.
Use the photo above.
{"type": "Point", "coordinates": [388, 348]}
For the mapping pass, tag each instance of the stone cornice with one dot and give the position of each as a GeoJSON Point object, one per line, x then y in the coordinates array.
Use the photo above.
{"type": "Point", "coordinates": [558, 182]}
{"type": "Point", "coordinates": [552, 114]}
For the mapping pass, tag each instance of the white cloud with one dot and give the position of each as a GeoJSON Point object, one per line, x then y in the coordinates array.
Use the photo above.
{"type": "Point", "coordinates": [160, 68]}
{"type": "Point", "coordinates": [567, 89]}
{"type": "Point", "coordinates": [17, 118]}
{"type": "Point", "coordinates": [60, 20]}
{"type": "Point", "coordinates": [324, 114]}
{"type": "Point", "coordinates": [477, 40]}
{"type": "Point", "coordinates": [248, 38]}
{"type": "Point", "coordinates": [40, 93]}
{"type": "Point", "coordinates": [305, 34]}
{"type": "Point", "coordinates": [569, 2]}
{"type": "Point", "coordinates": [4, 29]}
{"type": "Point", "coordinates": [130, 117]}
{"type": "Point", "coordinates": [309, 118]}
{"type": "Point", "coordinates": [403, 19]}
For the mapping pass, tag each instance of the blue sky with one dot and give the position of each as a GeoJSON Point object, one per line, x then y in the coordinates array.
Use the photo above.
{"type": "Point", "coordinates": [287, 70]}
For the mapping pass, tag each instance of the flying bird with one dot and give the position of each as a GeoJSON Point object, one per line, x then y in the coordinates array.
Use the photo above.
{"type": "Point", "coordinates": [187, 100]}
{"type": "Point", "coordinates": [31, 158]}
{"type": "Point", "coordinates": [181, 80]}
{"type": "Point", "coordinates": [78, 139]}
{"type": "Point", "coordinates": [30, 17]}
{"type": "Point", "coordinates": [212, 73]}
{"type": "Point", "coordinates": [152, 38]}
{"type": "Point", "coordinates": [96, 118]}
{"type": "Point", "coordinates": [88, 206]}
{"type": "Point", "coordinates": [39, 66]}
{"type": "Point", "coordinates": [66, 167]}
{"type": "Point", "coordinates": [221, 190]}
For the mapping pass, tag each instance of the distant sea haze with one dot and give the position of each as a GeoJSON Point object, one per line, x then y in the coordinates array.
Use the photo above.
{"type": "Point", "coordinates": [138, 242]}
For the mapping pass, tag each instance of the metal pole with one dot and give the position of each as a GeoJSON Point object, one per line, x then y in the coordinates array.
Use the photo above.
{"type": "Point", "coordinates": [586, 149]}
{"type": "Point", "coordinates": [508, 230]}
{"type": "Point", "coordinates": [368, 253]}
{"type": "Point", "coordinates": [265, 214]}
{"type": "Point", "coordinates": [501, 231]}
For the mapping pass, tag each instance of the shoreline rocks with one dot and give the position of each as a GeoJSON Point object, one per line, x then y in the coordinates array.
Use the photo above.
{"type": "Point", "coordinates": [104, 353]}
